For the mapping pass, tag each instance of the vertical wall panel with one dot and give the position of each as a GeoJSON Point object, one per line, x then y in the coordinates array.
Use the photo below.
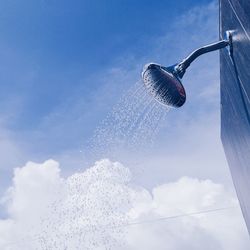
{"type": "Point", "coordinates": [235, 97]}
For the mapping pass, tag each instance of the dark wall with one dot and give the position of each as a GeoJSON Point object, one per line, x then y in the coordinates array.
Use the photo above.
{"type": "Point", "coordinates": [235, 97]}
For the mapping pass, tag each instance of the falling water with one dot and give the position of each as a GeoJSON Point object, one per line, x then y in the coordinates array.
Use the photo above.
{"type": "Point", "coordinates": [99, 198]}
{"type": "Point", "coordinates": [90, 209]}
{"type": "Point", "coordinates": [131, 126]}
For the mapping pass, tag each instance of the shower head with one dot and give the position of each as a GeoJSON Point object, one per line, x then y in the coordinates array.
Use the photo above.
{"type": "Point", "coordinates": [164, 83]}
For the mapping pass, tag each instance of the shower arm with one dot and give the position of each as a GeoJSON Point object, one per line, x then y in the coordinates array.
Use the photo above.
{"type": "Point", "coordinates": [180, 68]}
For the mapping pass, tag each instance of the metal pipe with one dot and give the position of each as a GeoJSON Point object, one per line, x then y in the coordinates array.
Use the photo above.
{"type": "Point", "coordinates": [184, 64]}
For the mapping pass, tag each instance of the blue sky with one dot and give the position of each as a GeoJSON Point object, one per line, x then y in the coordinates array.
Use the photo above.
{"type": "Point", "coordinates": [49, 50]}
{"type": "Point", "coordinates": [54, 60]}
{"type": "Point", "coordinates": [66, 64]}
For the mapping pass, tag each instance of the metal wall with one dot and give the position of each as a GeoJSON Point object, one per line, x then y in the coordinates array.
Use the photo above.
{"type": "Point", "coordinates": [235, 97]}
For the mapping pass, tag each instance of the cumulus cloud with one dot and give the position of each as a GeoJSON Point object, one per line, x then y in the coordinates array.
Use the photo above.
{"type": "Point", "coordinates": [219, 230]}
{"type": "Point", "coordinates": [100, 208]}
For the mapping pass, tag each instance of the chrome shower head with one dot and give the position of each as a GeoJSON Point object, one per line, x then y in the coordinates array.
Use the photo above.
{"type": "Point", "coordinates": [164, 85]}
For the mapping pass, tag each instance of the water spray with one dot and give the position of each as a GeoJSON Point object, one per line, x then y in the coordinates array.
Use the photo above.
{"type": "Point", "coordinates": [164, 83]}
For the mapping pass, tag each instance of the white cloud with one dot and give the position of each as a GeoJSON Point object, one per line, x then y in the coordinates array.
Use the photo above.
{"type": "Point", "coordinates": [12, 154]}
{"type": "Point", "coordinates": [206, 231]}
{"type": "Point", "coordinates": [101, 209]}
{"type": "Point", "coordinates": [47, 211]}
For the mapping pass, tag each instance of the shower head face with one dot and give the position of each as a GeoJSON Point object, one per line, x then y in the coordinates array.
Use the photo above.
{"type": "Point", "coordinates": [163, 85]}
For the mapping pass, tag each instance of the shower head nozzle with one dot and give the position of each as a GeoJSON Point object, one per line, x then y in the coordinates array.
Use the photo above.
{"type": "Point", "coordinates": [164, 84]}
